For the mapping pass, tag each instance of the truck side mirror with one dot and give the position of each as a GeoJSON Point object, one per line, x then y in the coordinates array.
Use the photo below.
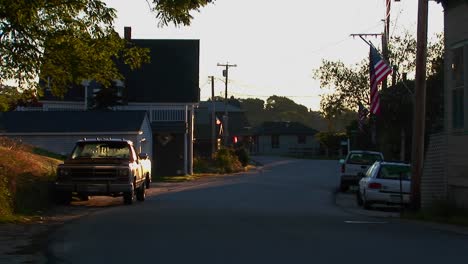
{"type": "Point", "coordinates": [143, 156]}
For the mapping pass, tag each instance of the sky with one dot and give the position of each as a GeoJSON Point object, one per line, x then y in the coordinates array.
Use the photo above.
{"type": "Point", "coordinates": [276, 44]}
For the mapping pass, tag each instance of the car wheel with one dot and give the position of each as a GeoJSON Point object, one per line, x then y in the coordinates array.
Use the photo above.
{"type": "Point", "coordinates": [129, 196]}
{"type": "Point", "coordinates": [359, 198]}
{"type": "Point", "coordinates": [141, 192]}
{"type": "Point", "coordinates": [148, 182]}
{"type": "Point", "coordinates": [366, 204]}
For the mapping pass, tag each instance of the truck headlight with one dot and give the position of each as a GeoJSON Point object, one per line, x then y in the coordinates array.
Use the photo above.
{"type": "Point", "coordinates": [63, 172]}
{"type": "Point", "coordinates": [123, 172]}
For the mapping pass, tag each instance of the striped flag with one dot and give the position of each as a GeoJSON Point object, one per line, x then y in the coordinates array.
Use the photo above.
{"type": "Point", "coordinates": [379, 69]}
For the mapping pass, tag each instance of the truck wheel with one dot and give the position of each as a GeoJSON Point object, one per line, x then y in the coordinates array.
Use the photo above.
{"type": "Point", "coordinates": [148, 182]}
{"type": "Point", "coordinates": [83, 197]}
{"type": "Point", "coordinates": [343, 187]}
{"type": "Point", "coordinates": [128, 197]}
{"type": "Point", "coordinates": [63, 198]}
{"type": "Point", "coordinates": [141, 192]}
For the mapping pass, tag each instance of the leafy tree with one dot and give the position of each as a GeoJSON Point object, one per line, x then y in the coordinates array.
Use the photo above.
{"type": "Point", "coordinates": [65, 41]}
{"type": "Point", "coordinates": [330, 141]}
{"type": "Point", "coordinates": [350, 84]}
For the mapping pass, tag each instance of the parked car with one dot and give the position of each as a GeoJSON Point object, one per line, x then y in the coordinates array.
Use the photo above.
{"type": "Point", "coordinates": [385, 183]}
{"type": "Point", "coordinates": [108, 167]}
{"type": "Point", "coordinates": [354, 165]}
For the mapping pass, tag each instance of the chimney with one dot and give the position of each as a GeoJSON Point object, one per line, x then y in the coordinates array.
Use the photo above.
{"type": "Point", "coordinates": [128, 33]}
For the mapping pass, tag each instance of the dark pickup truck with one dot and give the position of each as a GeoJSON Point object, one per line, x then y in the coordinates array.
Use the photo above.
{"type": "Point", "coordinates": [109, 167]}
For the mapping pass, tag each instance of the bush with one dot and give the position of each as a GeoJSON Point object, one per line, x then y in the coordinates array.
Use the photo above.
{"type": "Point", "coordinates": [243, 156]}
{"type": "Point", "coordinates": [227, 161]}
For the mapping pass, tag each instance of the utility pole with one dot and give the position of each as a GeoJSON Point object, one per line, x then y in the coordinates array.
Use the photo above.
{"type": "Point", "coordinates": [225, 117]}
{"type": "Point", "coordinates": [417, 154]}
{"type": "Point", "coordinates": [213, 119]}
{"type": "Point", "coordinates": [386, 37]}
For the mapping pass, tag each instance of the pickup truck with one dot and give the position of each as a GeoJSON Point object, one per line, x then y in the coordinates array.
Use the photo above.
{"type": "Point", "coordinates": [109, 167]}
{"type": "Point", "coordinates": [355, 165]}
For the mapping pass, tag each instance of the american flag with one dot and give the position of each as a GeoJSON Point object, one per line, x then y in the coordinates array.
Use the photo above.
{"type": "Point", "coordinates": [379, 69]}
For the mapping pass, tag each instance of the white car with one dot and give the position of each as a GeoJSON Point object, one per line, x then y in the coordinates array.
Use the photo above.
{"type": "Point", "coordinates": [385, 183]}
{"type": "Point", "coordinates": [354, 165]}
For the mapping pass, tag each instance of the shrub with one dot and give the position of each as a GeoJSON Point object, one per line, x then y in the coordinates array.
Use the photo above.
{"type": "Point", "coordinates": [227, 161]}
{"type": "Point", "coordinates": [243, 156]}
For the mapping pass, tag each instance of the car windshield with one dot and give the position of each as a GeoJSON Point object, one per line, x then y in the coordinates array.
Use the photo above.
{"type": "Point", "coordinates": [101, 150]}
{"type": "Point", "coordinates": [394, 172]}
{"type": "Point", "coordinates": [364, 158]}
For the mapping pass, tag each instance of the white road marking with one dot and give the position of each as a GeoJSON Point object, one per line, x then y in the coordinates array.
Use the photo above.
{"type": "Point", "coordinates": [364, 222]}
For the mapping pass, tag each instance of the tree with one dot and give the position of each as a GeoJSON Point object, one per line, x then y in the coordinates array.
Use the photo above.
{"type": "Point", "coordinates": [66, 41]}
{"type": "Point", "coordinates": [350, 84]}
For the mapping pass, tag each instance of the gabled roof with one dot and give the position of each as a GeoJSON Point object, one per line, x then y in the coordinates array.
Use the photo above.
{"type": "Point", "coordinates": [71, 122]}
{"type": "Point", "coordinates": [284, 128]}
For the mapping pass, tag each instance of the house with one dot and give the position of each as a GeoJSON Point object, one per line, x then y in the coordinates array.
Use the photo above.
{"type": "Point", "coordinates": [57, 131]}
{"type": "Point", "coordinates": [167, 89]}
{"type": "Point", "coordinates": [445, 173]}
{"type": "Point", "coordinates": [285, 138]}
{"type": "Point", "coordinates": [237, 128]}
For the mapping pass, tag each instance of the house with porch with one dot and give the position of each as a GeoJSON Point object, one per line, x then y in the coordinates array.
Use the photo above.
{"type": "Point", "coordinates": [167, 89]}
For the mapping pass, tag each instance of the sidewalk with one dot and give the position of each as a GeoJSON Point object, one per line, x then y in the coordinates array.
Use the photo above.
{"type": "Point", "coordinates": [347, 202]}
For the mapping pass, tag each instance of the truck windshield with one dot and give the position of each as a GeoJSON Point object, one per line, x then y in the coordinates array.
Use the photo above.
{"type": "Point", "coordinates": [364, 158]}
{"type": "Point", "coordinates": [101, 150]}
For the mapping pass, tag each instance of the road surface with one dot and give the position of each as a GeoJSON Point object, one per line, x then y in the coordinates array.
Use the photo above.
{"type": "Point", "coordinates": [284, 213]}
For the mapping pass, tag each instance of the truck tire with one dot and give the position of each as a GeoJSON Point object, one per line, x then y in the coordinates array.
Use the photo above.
{"type": "Point", "coordinates": [63, 198]}
{"type": "Point", "coordinates": [343, 187]}
{"type": "Point", "coordinates": [141, 192]}
{"type": "Point", "coordinates": [128, 197]}
{"type": "Point", "coordinates": [148, 181]}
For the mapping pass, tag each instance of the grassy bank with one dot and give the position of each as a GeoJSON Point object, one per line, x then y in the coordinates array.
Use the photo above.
{"type": "Point", "coordinates": [443, 212]}
{"type": "Point", "coordinates": [25, 179]}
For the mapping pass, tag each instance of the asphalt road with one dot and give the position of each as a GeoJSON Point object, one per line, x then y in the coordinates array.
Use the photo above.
{"type": "Point", "coordinates": [284, 213]}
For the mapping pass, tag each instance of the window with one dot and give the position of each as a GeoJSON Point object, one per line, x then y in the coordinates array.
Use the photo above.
{"type": "Point", "coordinates": [274, 141]}
{"type": "Point", "coordinates": [457, 92]}
{"type": "Point", "coordinates": [457, 108]}
{"type": "Point", "coordinates": [395, 172]}
{"type": "Point", "coordinates": [301, 139]}
{"type": "Point", "coordinates": [364, 158]}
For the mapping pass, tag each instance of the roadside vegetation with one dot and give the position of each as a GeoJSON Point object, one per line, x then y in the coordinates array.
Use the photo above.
{"type": "Point", "coordinates": [225, 161]}
{"type": "Point", "coordinates": [444, 212]}
{"type": "Point", "coordinates": [25, 181]}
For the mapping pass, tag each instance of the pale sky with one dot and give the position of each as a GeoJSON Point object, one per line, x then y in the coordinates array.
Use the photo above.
{"type": "Point", "coordinates": [276, 44]}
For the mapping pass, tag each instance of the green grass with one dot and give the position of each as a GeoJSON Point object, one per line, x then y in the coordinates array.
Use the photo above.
{"type": "Point", "coordinates": [178, 178]}
{"type": "Point", "coordinates": [443, 212]}
{"type": "Point", "coordinates": [47, 153]}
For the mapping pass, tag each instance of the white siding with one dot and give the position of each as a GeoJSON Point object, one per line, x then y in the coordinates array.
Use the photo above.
{"type": "Point", "coordinates": [286, 144]}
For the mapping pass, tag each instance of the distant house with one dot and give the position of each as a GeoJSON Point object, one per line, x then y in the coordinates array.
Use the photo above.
{"type": "Point", "coordinates": [167, 89]}
{"type": "Point", "coordinates": [58, 131]}
{"type": "Point", "coordinates": [238, 127]}
{"type": "Point", "coordinates": [445, 167]}
{"type": "Point", "coordinates": [283, 138]}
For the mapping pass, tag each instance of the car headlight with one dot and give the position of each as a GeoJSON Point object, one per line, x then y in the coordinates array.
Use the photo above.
{"type": "Point", "coordinates": [63, 172]}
